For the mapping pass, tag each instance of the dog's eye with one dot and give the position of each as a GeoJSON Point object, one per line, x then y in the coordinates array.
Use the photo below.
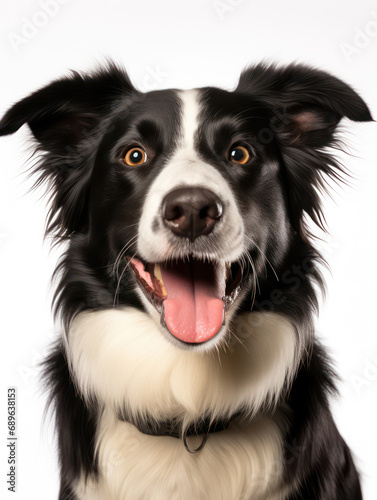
{"type": "Point", "coordinates": [135, 156]}
{"type": "Point", "coordinates": [240, 154]}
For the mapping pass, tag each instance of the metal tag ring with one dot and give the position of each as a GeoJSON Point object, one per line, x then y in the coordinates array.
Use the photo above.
{"type": "Point", "coordinates": [198, 448]}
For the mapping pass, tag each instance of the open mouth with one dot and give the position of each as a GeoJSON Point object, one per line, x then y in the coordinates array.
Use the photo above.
{"type": "Point", "coordinates": [191, 295]}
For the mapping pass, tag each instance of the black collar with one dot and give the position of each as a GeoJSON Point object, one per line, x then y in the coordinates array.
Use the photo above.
{"type": "Point", "coordinates": [173, 428]}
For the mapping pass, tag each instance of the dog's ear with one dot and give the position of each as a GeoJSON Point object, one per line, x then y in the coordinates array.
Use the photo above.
{"type": "Point", "coordinates": [306, 103]}
{"type": "Point", "coordinates": [305, 106]}
{"type": "Point", "coordinates": [67, 110]}
{"type": "Point", "coordinates": [65, 117]}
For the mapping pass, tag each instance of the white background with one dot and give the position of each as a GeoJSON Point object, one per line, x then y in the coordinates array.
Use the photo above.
{"type": "Point", "coordinates": [168, 43]}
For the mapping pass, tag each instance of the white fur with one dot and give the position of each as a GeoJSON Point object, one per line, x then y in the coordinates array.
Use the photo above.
{"type": "Point", "coordinates": [121, 357]}
{"type": "Point", "coordinates": [186, 168]}
{"type": "Point", "coordinates": [243, 462]}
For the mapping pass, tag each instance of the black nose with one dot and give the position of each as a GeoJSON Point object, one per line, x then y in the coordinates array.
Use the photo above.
{"type": "Point", "coordinates": [191, 212]}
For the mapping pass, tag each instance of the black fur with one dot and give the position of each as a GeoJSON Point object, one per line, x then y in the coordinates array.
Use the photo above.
{"type": "Point", "coordinates": [75, 423]}
{"type": "Point", "coordinates": [289, 115]}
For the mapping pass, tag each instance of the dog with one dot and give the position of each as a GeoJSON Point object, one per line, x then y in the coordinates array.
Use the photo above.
{"type": "Point", "coordinates": [188, 367]}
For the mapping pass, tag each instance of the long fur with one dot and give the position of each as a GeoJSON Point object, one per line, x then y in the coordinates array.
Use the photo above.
{"type": "Point", "coordinates": [115, 358]}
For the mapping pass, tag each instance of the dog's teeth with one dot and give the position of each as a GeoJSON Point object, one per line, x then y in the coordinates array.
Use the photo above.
{"type": "Point", "coordinates": [228, 272]}
{"type": "Point", "coordinates": [157, 272]}
{"type": "Point", "coordinates": [158, 276]}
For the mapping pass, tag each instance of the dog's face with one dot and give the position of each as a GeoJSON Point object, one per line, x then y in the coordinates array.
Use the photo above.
{"type": "Point", "coordinates": [184, 189]}
{"type": "Point", "coordinates": [186, 196]}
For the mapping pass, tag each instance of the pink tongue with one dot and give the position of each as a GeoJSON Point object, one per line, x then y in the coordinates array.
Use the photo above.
{"type": "Point", "coordinates": [194, 308]}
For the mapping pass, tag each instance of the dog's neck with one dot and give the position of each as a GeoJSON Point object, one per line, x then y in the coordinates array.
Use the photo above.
{"type": "Point", "coordinates": [121, 359]}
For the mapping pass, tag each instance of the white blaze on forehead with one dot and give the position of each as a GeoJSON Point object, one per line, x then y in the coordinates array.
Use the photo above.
{"type": "Point", "coordinates": [190, 111]}
{"type": "Point", "coordinates": [186, 168]}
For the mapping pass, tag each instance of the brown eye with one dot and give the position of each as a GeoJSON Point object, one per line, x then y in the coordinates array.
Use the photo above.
{"type": "Point", "coordinates": [239, 154]}
{"type": "Point", "coordinates": [135, 156]}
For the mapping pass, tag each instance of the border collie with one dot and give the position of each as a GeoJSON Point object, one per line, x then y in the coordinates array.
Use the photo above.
{"type": "Point", "coordinates": [188, 368]}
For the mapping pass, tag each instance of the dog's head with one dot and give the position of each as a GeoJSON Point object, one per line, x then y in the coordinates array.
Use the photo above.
{"type": "Point", "coordinates": [177, 201]}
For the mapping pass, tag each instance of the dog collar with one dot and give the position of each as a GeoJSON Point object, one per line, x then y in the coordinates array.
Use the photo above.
{"type": "Point", "coordinates": [173, 428]}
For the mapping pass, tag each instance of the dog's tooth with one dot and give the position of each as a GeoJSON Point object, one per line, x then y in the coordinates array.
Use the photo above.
{"type": "Point", "coordinates": [158, 275]}
{"type": "Point", "coordinates": [228, 272]}
{"type": "Point", "coordinates": [157, 272]}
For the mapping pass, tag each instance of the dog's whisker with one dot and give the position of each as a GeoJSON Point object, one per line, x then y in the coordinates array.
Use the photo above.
{"type": "Point", "coordinates": [264, 255]}
{"type": "Point", "coordinates": [120, 279]}
{"type": "Point", "coordinates": [237, 338]}
{"type": "Point", "coordinates": [255, 278]}
{"type": "Point", "coordinates": [121, 254]}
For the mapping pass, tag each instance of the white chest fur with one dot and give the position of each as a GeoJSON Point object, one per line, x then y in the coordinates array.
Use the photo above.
{"type": "Point", "coordinates": [240, 463]}
{"type": "Point", "coordinates": [121, 357]}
